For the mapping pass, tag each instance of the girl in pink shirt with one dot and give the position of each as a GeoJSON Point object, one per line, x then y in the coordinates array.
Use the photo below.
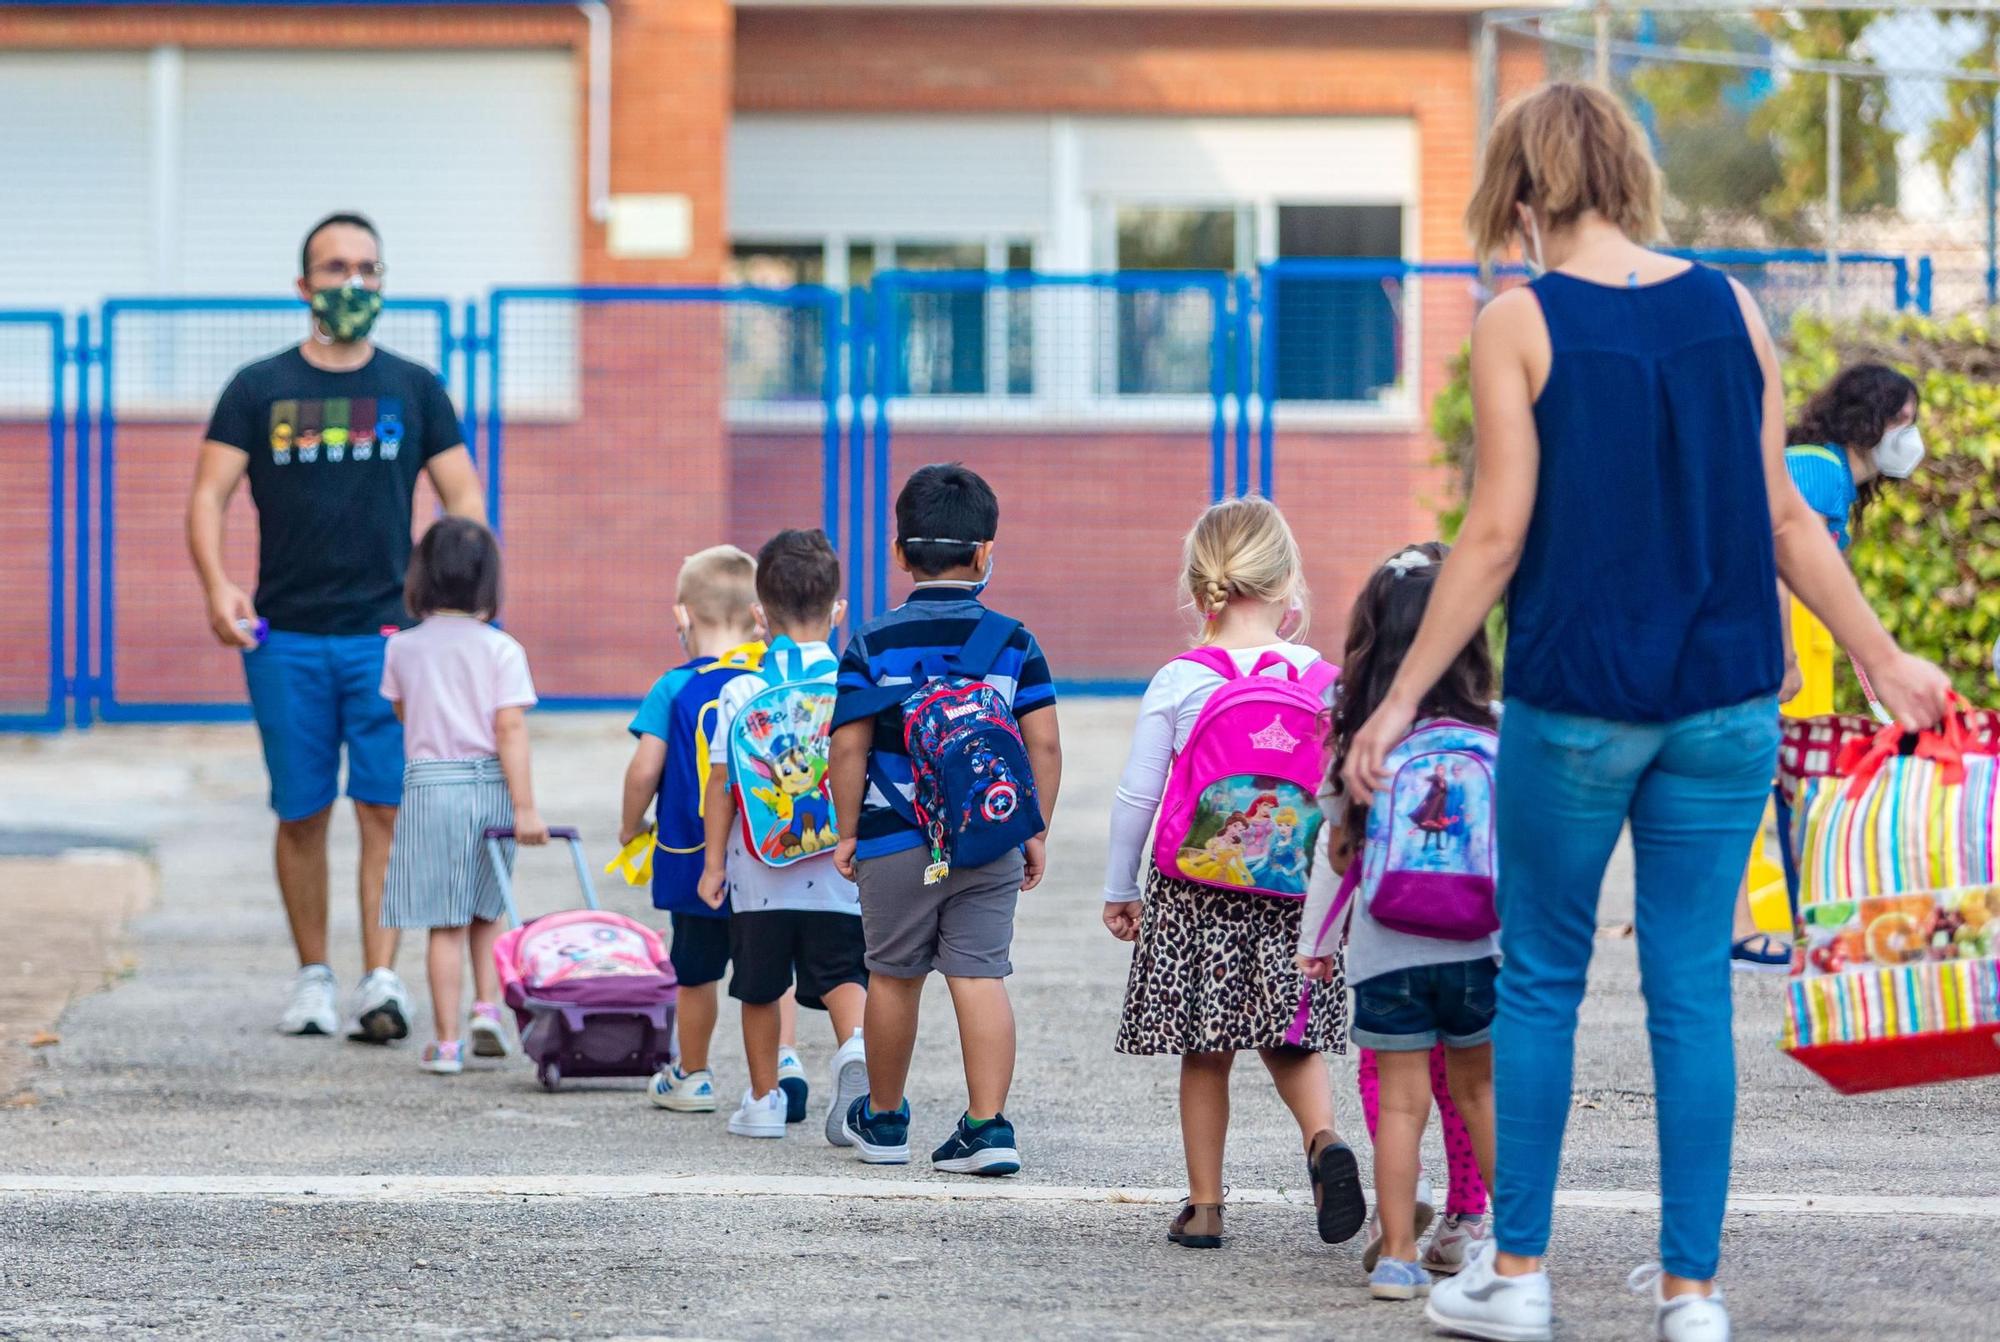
{"type": "Point", "coordinates": [461, 688]}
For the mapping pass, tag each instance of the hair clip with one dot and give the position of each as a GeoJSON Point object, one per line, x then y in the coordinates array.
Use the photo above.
{"type": "Point", "coordinates": [1408, 561]}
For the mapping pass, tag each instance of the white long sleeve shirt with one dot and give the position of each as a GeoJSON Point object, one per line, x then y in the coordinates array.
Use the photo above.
{"type": "Point", "coordinates": [1175, 698]}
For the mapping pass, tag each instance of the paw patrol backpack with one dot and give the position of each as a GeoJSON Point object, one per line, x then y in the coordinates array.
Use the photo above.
{"type": "Point", "coordinates": [777, 758]}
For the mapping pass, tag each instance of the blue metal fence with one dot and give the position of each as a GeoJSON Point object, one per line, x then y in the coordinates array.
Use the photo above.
{"type": "Point", "coordinates": [728, 412]}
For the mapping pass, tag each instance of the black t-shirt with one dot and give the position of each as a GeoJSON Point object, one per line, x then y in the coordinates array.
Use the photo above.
{"type": "Point", "coordinates": [334, 460]}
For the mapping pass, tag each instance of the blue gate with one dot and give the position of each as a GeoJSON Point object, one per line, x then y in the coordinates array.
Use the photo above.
{"type": "Point", "coordinates": [33, 363]}
{"type": "Point", "coordinates": [627, 428]}
{"type": "Point", "coordinates": [161, 364]}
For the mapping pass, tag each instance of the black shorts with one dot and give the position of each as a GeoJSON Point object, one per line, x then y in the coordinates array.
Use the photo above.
{"type": "Point", "coordinates": [822, 950]}
{"type": "Point", "coordinates": [700, 953]}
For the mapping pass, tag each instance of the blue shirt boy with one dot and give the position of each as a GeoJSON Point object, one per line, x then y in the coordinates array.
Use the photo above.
{"type": "Point", "coordinates": [683, 710]}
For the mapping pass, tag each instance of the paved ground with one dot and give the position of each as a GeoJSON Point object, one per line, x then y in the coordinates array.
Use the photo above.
{"type": "Point", "coordinates": [176, 1074]}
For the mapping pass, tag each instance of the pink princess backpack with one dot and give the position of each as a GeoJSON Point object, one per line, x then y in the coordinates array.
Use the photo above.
{"type": "Point", "coordinates": [1240, 811]}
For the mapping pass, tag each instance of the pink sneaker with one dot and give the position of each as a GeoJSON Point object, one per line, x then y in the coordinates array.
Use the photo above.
{"type": "Point", "coordinates": [488, 1029]}
{"type": "Point", "coordinates": [444, 1059]}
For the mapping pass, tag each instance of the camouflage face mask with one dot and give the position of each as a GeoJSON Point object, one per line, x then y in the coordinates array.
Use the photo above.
{"type": "Point", "coordinates": [348, 313]}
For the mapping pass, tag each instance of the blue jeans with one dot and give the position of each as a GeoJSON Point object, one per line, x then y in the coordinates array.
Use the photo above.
{"type": "Point", "coordinates": [1694, 791]}
{"type": "Point", "coordinates": [312, 694]}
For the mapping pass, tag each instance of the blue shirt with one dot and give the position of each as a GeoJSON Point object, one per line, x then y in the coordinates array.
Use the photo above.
{"type": "Point", "coordinates": [1648, 585]}
{"type": "Point", "coordinates": [893, 650]}
{"type": "Point", "coordinates": [1827, 482]}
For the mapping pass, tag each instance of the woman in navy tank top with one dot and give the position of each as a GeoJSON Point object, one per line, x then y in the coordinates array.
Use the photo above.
{"type": "Point", "coordinates": [1632, 505]}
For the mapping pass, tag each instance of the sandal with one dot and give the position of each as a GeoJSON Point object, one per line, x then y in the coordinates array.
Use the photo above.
{"type": "Point", "coordinates": [1761, 953]}
{"type": "Point", "coordinates": [1340, 1209]}
{"type": "Point", "coordinates": [1198, 1226]}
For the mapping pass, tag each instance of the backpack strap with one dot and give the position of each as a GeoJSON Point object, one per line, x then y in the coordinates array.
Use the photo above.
{"type": "Point", "coordinates": [1319, 677]}
{"type": "Point", "coordinates": [783, 661]}
{"type": "Point", "coordinates": [989, 638]}
{"type": "Point", "coordinates": [1349, 882]}
{"type": "Point", "coordinates": [1215, 659]}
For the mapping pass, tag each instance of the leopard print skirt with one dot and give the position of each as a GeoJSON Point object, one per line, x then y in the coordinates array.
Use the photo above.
{"type": "Point", "coordinates": [1213, 971]}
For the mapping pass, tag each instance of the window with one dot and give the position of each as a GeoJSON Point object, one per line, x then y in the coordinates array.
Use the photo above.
{"type": "Point", "coordinates": [1338, 339]}
{"type": "Point", "coordinates": [777, 351]}
{"type": "Point", "coordinates": [1166, 335]}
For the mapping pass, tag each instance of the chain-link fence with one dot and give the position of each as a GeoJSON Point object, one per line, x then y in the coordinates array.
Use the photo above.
{"type": "Point", "coordinates": [1826, 132]}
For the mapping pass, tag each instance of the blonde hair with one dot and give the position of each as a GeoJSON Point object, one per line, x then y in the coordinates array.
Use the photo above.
{"type": "Point", "coordinates": [1562, 150]}
{"type": "Point", "coordinates": [718, 586]}
{"type": "Point", "coordinates": [1241, 548]}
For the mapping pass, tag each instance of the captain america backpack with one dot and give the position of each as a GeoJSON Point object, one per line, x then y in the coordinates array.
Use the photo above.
{"type": "Point", "coordinates": [1240, 810]}
{"type": "Point", "coordinates": [778, 747]}
{"type": "Point", "coordinates": [974, 798]}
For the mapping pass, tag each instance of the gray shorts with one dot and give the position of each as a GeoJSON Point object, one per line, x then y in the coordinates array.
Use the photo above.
{"type": "Point", "coordinates": [963, 927]}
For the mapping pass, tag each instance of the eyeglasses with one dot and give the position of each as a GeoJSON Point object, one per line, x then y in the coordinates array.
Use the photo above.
{"type": "Point", "coordinates": [340, 270]}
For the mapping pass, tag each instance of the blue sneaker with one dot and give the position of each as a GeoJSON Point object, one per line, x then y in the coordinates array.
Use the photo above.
{"type": "Point", "coordinates": [987, 1149]}
{"type": "Point", "coordinates": [879, 1139]}
{"type": "Point", "coordinates": [1397, 1279]}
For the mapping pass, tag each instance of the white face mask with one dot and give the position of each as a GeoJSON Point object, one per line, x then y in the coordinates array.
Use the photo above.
{"type": "Point", "coordinates": [1900, 452]}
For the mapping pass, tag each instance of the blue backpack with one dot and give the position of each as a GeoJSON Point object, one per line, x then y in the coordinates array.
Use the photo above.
{"type": "Point", "coordinates": [975, 790]}
{"type": "Point", "coordinates": [777, 759]}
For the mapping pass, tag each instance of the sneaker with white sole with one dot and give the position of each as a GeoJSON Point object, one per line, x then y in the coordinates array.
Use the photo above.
{"type": "Point", "coordinates": [759, 1115]}
{"type": "Point", "coordinates": [444, 1059]}
{"type": "Point", "coordinates": [850, 1083]}
{"type": "Point", "coordinates": [1398, 1279]}
{"type": "Point", "coordinates": [487, 1030]}
{"type": "Point", "coordinates": [1455, 1236]}
{"type": "Point", "coordinates": [683, 1092]}
{"type": "Point", "coordinates": [879, 1138]}
{"type": "Point", "coordinates": [1426, 1213]}
{"type": "Point", "coordinates": [1481, 1303]}
{"type": "Point", "coordinates": [381, 1009]}
{"type": "Point", "coordinates": [792, 1081]}
{"type": "Point", "coordinates": [313, 1007]}
{"type": "Point", "coordinates": [1685, 1318]}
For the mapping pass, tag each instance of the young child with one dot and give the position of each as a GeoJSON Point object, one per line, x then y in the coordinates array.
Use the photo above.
{"type": "Point", "coordinates": [801, 920]}
{"type": "Point", "coordinates": [715, 612]}
{"type": "Point", "coordinates": [1213, 969]}
{"type": "Point", "coordinates": [963, 925]}
{"type": "Point", "coordinates": [461, 688]}
{"type": "Point", "coordinates": [1411, 993]}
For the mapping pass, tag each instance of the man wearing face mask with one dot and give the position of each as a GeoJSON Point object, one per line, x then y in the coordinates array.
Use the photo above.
{"type": "Point", "coordinates": [332, 434]}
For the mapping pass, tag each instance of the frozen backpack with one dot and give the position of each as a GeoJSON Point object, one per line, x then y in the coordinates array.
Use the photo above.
{"type": "Point", "coordinates": [777, 758]}
{"type": "Point", "coordinates": [974, 798]}
{"type": "Point", "coordinates": [1240, 809]}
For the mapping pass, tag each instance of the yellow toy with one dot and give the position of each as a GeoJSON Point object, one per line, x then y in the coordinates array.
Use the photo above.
{"type": "Point", "coordinates": [1812, 643]}
{"type": "Point", "coordinates": [634, 861]}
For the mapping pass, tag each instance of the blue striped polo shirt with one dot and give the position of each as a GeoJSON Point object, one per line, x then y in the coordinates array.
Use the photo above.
{"type": "Point", "coordinates": [1824, 477]}
{"type": "Point", "coordinates": [892, 649]}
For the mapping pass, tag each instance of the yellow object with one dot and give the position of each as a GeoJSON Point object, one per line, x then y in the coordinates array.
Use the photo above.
{"type": "Point", "coordinates": [635, 861]}
{"type": "Point", "coordinates": [1813, 643]}
{"type": "Point", "coordinates": [1770, 906]}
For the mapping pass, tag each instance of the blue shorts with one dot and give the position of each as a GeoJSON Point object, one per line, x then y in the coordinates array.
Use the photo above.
{"type": "Point", "coordinates": [1410, 1010]}
{"type": "Point", "coordinates": [312, 694]}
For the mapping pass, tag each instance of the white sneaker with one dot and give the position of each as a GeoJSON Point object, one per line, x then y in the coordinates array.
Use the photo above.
{"type": "Point", "coordinates": [1456, 1235]}
{"type": "Point", "coordinates": [1685, 1318]}
{"type": "Point", "coordinates": [381, 1009]}
{"type": "Point", "coordinates": [792, 1081]}
{"type": "Point", "coordinates": [850, 1083]}
{"type": "Point", "coordinates": [1426, 1213]}
{"type": "Point", "coordinates": [683, 1092]}
{"type": "Point", "coordinates": [1481, 1303]}
{"type": "Point", "coordinates": [759, 1116]}
{"type": "Point", "coordinates": [313, 1008]}
{"type": "Point", "coordinates": [486, 1029]}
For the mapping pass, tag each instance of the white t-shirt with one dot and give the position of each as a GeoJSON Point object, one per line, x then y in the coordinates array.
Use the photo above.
{"type": "Point", "coordinates": [811, 885]}
{"type": "Point", "coordinates": [1174, 700]}
{"type": "Point", "coordinates": [452, 674]}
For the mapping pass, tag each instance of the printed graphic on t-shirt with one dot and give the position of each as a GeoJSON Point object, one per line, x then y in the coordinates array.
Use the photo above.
{"type": "Point", "coordinates": [345, 429]}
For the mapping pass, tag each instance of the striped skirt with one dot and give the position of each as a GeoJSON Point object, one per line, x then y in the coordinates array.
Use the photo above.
{"type": "Point", "coordinates": [439, 875]}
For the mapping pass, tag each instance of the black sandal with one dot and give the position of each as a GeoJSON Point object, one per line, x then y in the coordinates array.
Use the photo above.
{"type": "Point", "coordinates": [1340, 1208]}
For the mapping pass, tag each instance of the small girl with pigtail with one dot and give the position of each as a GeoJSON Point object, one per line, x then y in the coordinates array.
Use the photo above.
{"type": "Point", "coordinates": [1213, 970]}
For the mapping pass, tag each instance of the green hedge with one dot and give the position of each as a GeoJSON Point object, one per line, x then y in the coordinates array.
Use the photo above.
{"type": "Point", "coordinates": [1928, 552]}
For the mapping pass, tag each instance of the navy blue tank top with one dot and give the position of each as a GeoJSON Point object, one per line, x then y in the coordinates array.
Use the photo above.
{"type": "Point", "coordinates": [1647, 588]}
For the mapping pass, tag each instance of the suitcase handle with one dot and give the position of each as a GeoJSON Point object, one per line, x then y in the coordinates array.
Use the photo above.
{"type": "Point", "coordinates": [568, 834]}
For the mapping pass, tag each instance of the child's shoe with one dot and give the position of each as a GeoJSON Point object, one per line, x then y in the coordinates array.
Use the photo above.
{"type": "Point", "coordinates": [759, 1116]}
{"type": "Point", "coordinates": [488, 1030]}
{"type": "Point", "coordinates": [879, 1139]}
{"type": "Point", "coordinates": [1685, 1318]}
{"type": "Point", "coordinates": [1340, 1208]}
{"type": "Point", "coordinates": [850, 1083]}
{"type": "Point", "coordinates": [683, 1092]}
{"type": "Point", "coordinates": [1198, 1225]}
{"type": "Point", "coordinates": [987, 1148]}
{"type": "Point", "coordinates": [1479, 1302]}
{"type": "Point", "coordinates": [792, 1080]}
{"type": "Point", "coordinates": [1426, 1213]}
{"type": "Point", "coordinates": [1398, 1279]}
{"type": "Point", "coordinates": [443, 1059]}
{"type": "Point", "coordinates": [1455, 1237]}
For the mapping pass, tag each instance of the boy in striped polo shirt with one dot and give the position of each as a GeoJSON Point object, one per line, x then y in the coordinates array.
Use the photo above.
{"type": "Point", "coordinates": [962, 926]}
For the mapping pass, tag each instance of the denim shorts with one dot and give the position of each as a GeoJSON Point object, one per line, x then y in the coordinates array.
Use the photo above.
{"type": "Point", "coordinates": [313, 694]}
{"type": "Point", "coordinates": [1408, 1010]}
